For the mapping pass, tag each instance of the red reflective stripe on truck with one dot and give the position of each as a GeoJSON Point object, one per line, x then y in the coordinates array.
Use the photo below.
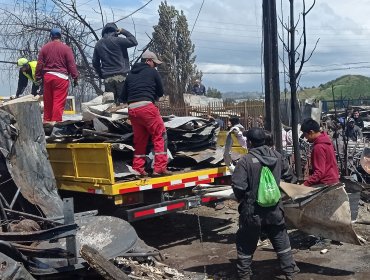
{"type": "Point", "coordinates": [174, 186]}
{"type": "Point", "coordinates": [91, 190]}
{"type": "Point", "coordinates": [208, 199]}
{"type": "Point", "coordinates": [144, 213]}
{"type": "Point", "coordinates": [123, 191]}
{"type": "Point", "coordinates": [192, 179]}
{"type": "Point", "coordinates": [216, 175]}
{"type": "Point", "coordinates": [175, 206]}
{"type": "Point", "coordinates": [152, 211]}
{"type": "Point", "coordinates": [160, 185]}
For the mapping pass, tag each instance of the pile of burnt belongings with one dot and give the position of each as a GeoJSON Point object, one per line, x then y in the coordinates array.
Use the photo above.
{"type": "Point", "coordinates": [191, 141]}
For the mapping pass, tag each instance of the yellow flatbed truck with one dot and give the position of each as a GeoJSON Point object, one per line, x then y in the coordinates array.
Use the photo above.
{"type": "Point", "coordinates": [82, 168]}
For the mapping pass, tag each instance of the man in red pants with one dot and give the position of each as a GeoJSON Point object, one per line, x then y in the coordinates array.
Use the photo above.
{"type": "Point", "coordinates": [54, 64]}
{"type": "Point", "coordinates": [142, 88]}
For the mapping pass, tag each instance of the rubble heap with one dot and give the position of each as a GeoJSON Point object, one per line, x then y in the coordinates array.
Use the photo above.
{"type": "Point", "coordinates": [191, 140]}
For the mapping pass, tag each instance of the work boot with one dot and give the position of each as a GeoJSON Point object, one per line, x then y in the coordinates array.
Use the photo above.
{"type": "Point", "coordinates": [143, 174]}
{"type": "Point", "coordinates": [162, 173]}
{"type": "Point", "coordinates": [244, 277]}
{"type": "Point", "coordinates": [243, 266]}
{"type": "Point", "coordinates": [290, 276]}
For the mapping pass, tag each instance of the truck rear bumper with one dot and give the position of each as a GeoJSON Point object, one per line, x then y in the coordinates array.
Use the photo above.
{"type": "Point", "coordinates": [163, 208]}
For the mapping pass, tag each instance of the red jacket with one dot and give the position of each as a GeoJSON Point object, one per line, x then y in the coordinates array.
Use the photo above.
{"type": "Point", "coordinates": [57, 57]}
{"type": "Point", "coordinates": [324, 163]}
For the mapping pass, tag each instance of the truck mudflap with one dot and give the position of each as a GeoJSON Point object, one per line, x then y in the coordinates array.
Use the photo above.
{"type": "Point", "coordinates": [159, 209]}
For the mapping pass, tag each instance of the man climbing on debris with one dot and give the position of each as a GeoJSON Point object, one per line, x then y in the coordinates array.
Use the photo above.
{"type": "Point", "coordinates": [143, 87]}
{"type": "Point", "coordinates": [27, 72]}
{"type": "Point", "coordinates": [255, 218]}
{"type": "Point", "coordinates": [54, 64]}
{"type": "Point", "coordinates": [110, 58]}
{"type": "Point", "coordinates": [324, 163]}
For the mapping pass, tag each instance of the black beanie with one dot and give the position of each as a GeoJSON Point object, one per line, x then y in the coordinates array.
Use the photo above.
{"type": "Point", "coordinates": [256, 136]}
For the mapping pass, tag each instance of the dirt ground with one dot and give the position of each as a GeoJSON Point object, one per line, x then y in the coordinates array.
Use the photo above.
{"type": "Point", "coordinates": [201, 244]}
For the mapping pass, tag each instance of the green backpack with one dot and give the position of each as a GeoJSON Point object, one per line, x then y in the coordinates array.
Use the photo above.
{"type": "Point", "coordinates": [268, 191]}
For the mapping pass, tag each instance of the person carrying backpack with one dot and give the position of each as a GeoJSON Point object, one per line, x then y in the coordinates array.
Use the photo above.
{"type": "Point", "coordinates": [256, 174]}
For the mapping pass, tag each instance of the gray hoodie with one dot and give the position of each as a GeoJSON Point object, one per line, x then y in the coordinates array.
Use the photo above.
{"type": "Point", "coordinates": [110, 56]}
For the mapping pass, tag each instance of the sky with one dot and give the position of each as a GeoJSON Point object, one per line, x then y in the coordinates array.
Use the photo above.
{"type": "Point", "coordinates": [228, 37]}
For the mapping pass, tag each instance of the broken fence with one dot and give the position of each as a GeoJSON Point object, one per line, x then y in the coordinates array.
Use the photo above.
{"type": "Point", "coordinates": [251, 112]}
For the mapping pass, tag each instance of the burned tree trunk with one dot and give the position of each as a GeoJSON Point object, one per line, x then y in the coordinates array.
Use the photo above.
{"type": "Point", "coordinates": [22, 142]}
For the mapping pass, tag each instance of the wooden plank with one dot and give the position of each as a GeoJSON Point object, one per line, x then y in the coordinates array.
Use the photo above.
{"type": "Point", "coordinates": [101, 265]}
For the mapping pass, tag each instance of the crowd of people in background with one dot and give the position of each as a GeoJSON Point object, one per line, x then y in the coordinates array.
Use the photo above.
{"type": "Point", "coordinates": [347, 128]}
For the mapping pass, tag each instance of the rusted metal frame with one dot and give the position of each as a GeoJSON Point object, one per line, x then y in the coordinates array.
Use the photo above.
{"type": "Point", "coordinates": [69, 218]}
{"type": "Point", "coordinates": [52, 253]}
{"type": "Point", "coordinates": [57, 232]}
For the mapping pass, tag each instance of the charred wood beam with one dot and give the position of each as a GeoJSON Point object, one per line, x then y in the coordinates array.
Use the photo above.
{"type": "Point", "coordinates": [101, 265]}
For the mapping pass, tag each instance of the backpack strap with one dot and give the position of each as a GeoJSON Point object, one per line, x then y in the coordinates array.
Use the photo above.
{"type": "Point", "coordinates": [254, 191]}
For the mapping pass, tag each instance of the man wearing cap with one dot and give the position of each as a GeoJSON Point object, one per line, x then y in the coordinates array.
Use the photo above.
{"type": "Point", "coordinates": [254, 218]}
{"type": "Point", "coordinates": [110, 58]}
{"type": "Point", "coordinates": [353, 132]}
{"type": "Point", "coordinates": [27, 72]}
{"type": "Point", "coordinates": [54, 64]}
{"type": "Point", "coordinates": [198, 88]}
{"type": "Point", "coordinates": [143, 87]}
{"type": "Point", "coordinates": [324, 168]}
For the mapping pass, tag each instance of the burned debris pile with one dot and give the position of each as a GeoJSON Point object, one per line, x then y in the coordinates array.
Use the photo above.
{"type": "Point", "coordinates": [191, 141]}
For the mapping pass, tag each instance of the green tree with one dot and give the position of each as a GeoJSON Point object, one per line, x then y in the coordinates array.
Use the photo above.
{"type": "Point", "coordinates": [213, 92]}
{"type": "Point", "coordinates": [171, 41]}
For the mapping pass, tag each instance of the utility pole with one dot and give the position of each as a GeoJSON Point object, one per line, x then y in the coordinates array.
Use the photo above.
{"type": "Point", "coordinates": [271, 67]}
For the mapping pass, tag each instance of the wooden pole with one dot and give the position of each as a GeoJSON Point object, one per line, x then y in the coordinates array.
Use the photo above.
{"type": "Point", "coordinates": [271, 67]}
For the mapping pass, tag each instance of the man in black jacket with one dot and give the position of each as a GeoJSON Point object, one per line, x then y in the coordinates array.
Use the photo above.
{"type": "Point", "coordinates": [142, 88]}
{"type": "Point", "coordinates": [255, 218]}
{"type": "Point", "coordinates": [110, 58]}
{"type": "Point", "coordinates": [358, 120]}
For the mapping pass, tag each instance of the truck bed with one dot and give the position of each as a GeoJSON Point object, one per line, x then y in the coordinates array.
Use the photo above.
{"type": "Point", "coordinates": [88, 168]}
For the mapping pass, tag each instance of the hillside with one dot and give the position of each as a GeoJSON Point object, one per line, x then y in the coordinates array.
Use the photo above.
{"type": "Point", "coordinates": [348, 86]}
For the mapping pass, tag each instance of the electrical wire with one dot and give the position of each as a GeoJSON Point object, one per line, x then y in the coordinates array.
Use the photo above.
{"type": "Point", "coordinates": [196, 19]}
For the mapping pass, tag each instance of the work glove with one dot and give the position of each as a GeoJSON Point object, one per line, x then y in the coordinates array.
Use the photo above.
{"type": "Point", "coordinates": [75, 83]}
{"type": "Point", "coordinates": [38, 82]}
{"type": "Point", "coordinates": [231, 168]}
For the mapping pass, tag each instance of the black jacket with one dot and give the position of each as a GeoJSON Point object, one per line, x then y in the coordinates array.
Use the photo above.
{"type": "Point", "coordinates": [142, 84]}
{"type": "Point", "coordinates": [359, 122]}
{"type": "Point", "coordinates": [354, 133]}
{"type": "Point", "coordinates": [23, 82]}
{"type": "Point", "coordinates": [110, 53]}
{"type": "Point", "coordinates": [245, 181]}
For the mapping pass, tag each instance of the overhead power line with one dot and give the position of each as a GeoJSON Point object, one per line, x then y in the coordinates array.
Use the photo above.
{"type": "Point", "coordinates": [281, 72]}
{"type": "Point", "coordinates": [195, 22]}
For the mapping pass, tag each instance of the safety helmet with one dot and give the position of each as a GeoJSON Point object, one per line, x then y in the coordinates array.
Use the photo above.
{"type": "Point", "coordinates": [22, 61]}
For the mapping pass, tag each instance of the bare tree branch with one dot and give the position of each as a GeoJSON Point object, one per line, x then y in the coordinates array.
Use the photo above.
{"type": "Point", "coordinates": [101, 13]}
{"type": "Point", "coordinates": [134, 12]}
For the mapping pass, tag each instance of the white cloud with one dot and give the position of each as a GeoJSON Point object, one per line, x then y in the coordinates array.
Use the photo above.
{"type": "Point", "coordinates": [228, 35]}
